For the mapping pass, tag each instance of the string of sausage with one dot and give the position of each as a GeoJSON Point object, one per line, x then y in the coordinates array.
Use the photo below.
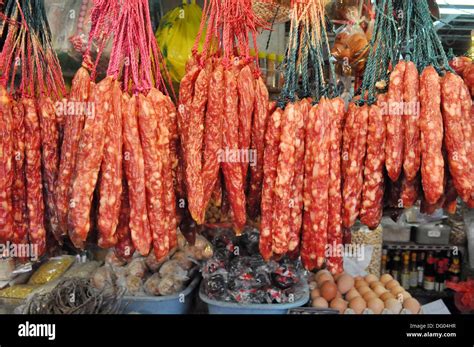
{"type": "Point", "coordinates": [192, 108]}
{"type": "Point", "coordinates": [50, 160]}
{"type": "Point", "coordinates": [19, 211]}
{"type": "Point", "coordinates": [412, 158]}
{"type": "Point", "coordinates": [257, 146]}
{"type": "Point", "coordinates": [110, 189]}
{"type": "Point", "coordinates": [334, 262]}
{"type": "Point", "coordinates": [88, 161]}
{"type": "Point", "coordinates": [395, 127]}
{"type": "Point", "coordinates": [213, 133]}
{"type": "Point", "coordinates": [455, 137]}
{"type": "Point", "coordinates": [353, 182]}
{"type": "Point", "coordinates": [246, 93]}
{"type": "Point", "coordinates": [296, 208]}
{"type": "Point", "coordinates": [310, 143]}
{"type": "Point", "coordinates": [373, 188]}
{"type": "Point", "coordinates": [317, 189]}
{"type": "Point", "coordinates": [134, 166]}
{"type": "Point", "coordinates": [284, 178]}
{"type": "Point", "coordinates": [73, 127]}
{"type": "Point", "coordinates": [431, 138]}
{"type": "Point", "coordinates": [6, 167]}
{"type": "Point", "coordinates": [233, 176]}
{"type": "Point", "coordinates": [171, 161]}
{"type": "Point", "coordinates": [34, 187]}
{"type": "Point", "coordinates": [160, 102]}
{"type": "Point", "coordinates": [468, 131]}
{"type": "Point", "coordinates": [270, 163]}
{"type": "Point", "coordinates": [149, 135]}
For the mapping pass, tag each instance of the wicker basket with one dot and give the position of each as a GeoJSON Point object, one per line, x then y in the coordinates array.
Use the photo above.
{"type": "Point", "coordinates": [272, 11]}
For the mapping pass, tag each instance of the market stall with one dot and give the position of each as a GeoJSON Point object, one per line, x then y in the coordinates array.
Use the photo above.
{"type": "Point", "coordinates": [235, 157]}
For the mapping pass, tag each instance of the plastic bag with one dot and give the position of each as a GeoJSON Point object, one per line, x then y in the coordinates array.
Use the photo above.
{"type": "Point", "coordinates": [52, 269]}
{"type": "Point", "coordinates": [464, 298]}
{"type": "Point", "coordinates": [351, 47]}
{"type": "Point", "coordinates": [176, 34]}
{"type": "Point", "coordinates": [18, 291]}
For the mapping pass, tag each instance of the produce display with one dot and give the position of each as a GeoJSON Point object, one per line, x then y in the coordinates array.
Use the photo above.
{"type": "Point", "coordinates": [369, 294]}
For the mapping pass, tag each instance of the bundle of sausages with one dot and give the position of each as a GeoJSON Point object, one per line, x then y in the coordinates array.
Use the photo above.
{"type": "Point", "coordinates": [223, 107]}
{"type": "Point", "coordinates": [29, 128]}
{"type": "Point", "coordinates": [301, 194]}
{"type": "Point", "coordinates": [117, 165]}
{"type": "Point", "coordinates": [301, 204]}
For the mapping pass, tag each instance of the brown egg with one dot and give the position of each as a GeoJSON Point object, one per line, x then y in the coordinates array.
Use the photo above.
{"type": "Point", "coordinates": [336, 276]}
{"type": "Point", "coordinates": [376, 305]}
{"type": "Point", "coordinates": [386, 296]}
{"type": "Point", "coordinates": [360, 283]}
{"type": "Point", "coordinates": [386, 278]}
{"type": "Point", "coordinates": [406, 295]}
{"type": "Point", "coordinates": [374, 284]}
{"type": "Point", "coordinates": [328, 290]}
{"type": "Point", "coordinates": [412, 305]}
{"type": "Point", "coordinates": [313, 285]}
{"type": "Point", "coordinates": [358, 305]}
{"type": "Point", "coordinates": [363, 290]}
{"type": "Point", "coordinates": [319, 303]}
{"type": "Point", "coordinates": [371, 278]}
{"type": "Point", "coordinates": [351, 294]}
{"type": "Point", "coordinates": [379, 290]}
{"type": "Point", "coordinates": [325, 277]}
{"type": "Point", "coordinates": [321, 273]}
{"type": "Point", "coordinates": [393, 305]}
{"type": "Point", "coordinates": [315, 293]}
{"type": "Point", "coordinates": [339, 304]}
{"type": "Point", "coordinates": [396, 291]}
{"type": "Point", "coordinates": [392, 284]}
{"type": "Point", "coordinates": [369, 296]}
{"type": "Point", "coordinates": [338, 295]}
{"type": "Point", "coordinates": [358, 278]}
{"type": "Point", "coordinates": [345, 283]}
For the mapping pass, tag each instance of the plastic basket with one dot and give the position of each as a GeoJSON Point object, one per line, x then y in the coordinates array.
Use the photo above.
{"type": "Point", "coordinates": [220, 307]}
{"type": "Point", "coordinates": [179, 303]}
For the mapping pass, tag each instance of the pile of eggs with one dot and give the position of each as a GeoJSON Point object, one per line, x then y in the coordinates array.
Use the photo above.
{"type": "Point", "coordinates": [345, 293]}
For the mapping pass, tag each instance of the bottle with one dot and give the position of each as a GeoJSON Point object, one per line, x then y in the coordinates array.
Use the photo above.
{"type": "Point", "coordinates": [396, 266]}
{"type": "Point", "coordinates": [384, 268]}
{"type": "Point", "coordinates": [429, 276]}
{"type": "Point", "coordinates": [454, 271]}
{"type": "Point", "coordinates": [440, 276]}
{"type": "Point", "coordinates": [271, 71]}
{"type": "Point", "coordinates": [405, 275]}
{"type": "Point", "coordinates": [262, 63]}
{"type": "Point", "coordinates": [413, 271]}
{"type": "Point", "coordinates": [420, 267]}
